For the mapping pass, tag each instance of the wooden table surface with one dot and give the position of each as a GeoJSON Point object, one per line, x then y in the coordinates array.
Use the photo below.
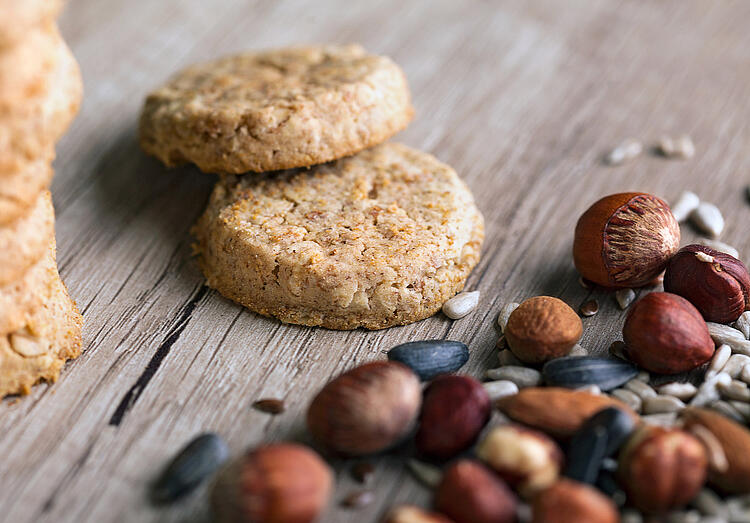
{"type": "Point", "coordinates": [522, 97]}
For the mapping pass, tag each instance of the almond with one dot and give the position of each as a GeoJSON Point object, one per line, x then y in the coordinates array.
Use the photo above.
{"type": "Point", "coordinates": [558, 412]}
{"type": "Point", "coordinates": [735, 441]}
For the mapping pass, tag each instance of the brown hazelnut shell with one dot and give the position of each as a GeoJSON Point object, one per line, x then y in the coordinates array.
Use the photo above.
{"type": "Point", "coordinates": [366, 410]}
{"type": "Point", "coordinates": [568, 501]}
{"type": "Point", "coordinates": [665, 333]}
{"type": "Point", "coordinates": [661, 469]}
{"type": "Point", "coordinates": [542, 328]}
{"type": "Point", "coordinates": [454, 411]}
{"type": "Point", "coordinates": [719, 289]}
{"type": "Point", "coordinates": [625, 240]}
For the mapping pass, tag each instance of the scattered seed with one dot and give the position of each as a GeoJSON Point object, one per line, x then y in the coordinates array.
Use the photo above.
{"type": "Point", "coordinates": [577, 350]}
{"type": "Point", "coordinates": [358, 499]}
{"type": "Point", "coordinates": [745, 374]}
{"type": "Point", "coordinates": [198, 460]}
{"type": "Point", "coordinates": [708, 219]}
{"type": "Point", "coordinates": [685, 204]}
{"type": "Point", "coordinates": [667, 419]}
{"type": "Point", "coordinates": [719, 246]}
{"type": "Point", "coordinates": [724, 334]}
{"type": "Point", "coordinates": [506, 357]}
{"type": "Point", "coordinates": [591, 389]}
{"type": "Point", "coordinates": [363, 472]}
{"type": "Point", "coordinates": [625, 151]}
{"type": "Point", "coordinates": [642, 389]}
{"type": "Point", "coordinates": [589, 308]}
{"type": "Point", "coordinates": [625, 297]}
{"type": "Point", "coordinates": [617, 349]}
{"type": "Point", "coordinates": [607, 373]}
{"type": "Point", "coordinates": [735, 390]}
{"type": "Point", "coordinates": [269, 405]}
{"type": "Point", "coordinates": [521, 376]}
{"type": "Point", "coordinates": [737, 511]}
{"type": "Point", "coordinates": [719, 359]}
{"type": "Point", "coordinates": [461, 304]}
{"type": "Point", "coordinates": [743, 324]}
{"type": "Point", "coordinates": [717, 459]}
{"type": "Point", "coordinates": [683, 391]}
{"type": "Point", "coordinates": [708, 391]}
{"type": "Point", "coordinates": [643, 376]}
{"type": "Point", "coordinates": [735, 364]}
{"type": "Point", "coordinates": [428, 475]}
{"type": "Point", "coordinates": [680, 148]}
{"type": "Point", "coordinates": [662, 404]}
{"type": "Point", "coordinates": [500, 389]}
{"type": "Point", "coordinates": [630, 398]}
{"type": "Point", "coordinates": [742, 407]}
{"type": "Point", "coordinates": [430, 358]}
{"type": "Point", "coordinates": [709, 503]}
{"type": "Point", "coordinates": [502, 318]}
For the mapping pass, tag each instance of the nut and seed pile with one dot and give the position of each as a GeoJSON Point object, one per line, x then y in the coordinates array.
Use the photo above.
{"type": "Point", "coordinates": [553, 434]}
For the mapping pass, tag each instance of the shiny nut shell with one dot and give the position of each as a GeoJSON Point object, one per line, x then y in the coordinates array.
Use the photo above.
{"type": "Point", "coordinates": [574, 372]}
{"type": "Point", "coordinates": [365, 410]}
{"type": "Point", "coordinates": [625, 240]}
{"type": "Point", "coordinates": [717, 284]}
{"type": "Point", "coordinates": [454, 411]}
{"type": "Point", "coordinates": [664, 333]}
{"type": "Point", "coordinates": [430, 358]}
{"type": "Point", "coordinates": [542, 328]}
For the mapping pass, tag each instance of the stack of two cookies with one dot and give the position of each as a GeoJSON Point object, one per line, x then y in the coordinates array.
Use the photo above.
{"type": "Point", "coordinates": [40, 91]}
{"type": "Point", "coordinates": [380, 235]}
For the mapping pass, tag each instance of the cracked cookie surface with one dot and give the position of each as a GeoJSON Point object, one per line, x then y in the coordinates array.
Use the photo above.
{"type": "Point", "coordinates": [378, 239]}
{"type": "Point", "coordinates": [275, 110]}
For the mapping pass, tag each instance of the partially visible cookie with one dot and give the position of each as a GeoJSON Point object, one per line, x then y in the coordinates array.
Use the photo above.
{"type": "Point", "coordinates": [37, 350]}
{"type": "Point", "coordinates": [276, 110]}
{"type": "Point", "coordinates": [23, 241]}
{"type": "Point", "coordinates": [20, 17]}
{"type": "Point", "coordinates": [29, 131]}
{"type": "Point", "coordinates": [20, 188]}
{"type": "Point", "coordinates": [381, 238]}
{"type": "Point", "coordinates": [20, 297]}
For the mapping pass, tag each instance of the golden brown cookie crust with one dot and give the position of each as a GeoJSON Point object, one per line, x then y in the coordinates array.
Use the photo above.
{"type": "Point", "coordinates": [20, 188]}
{"type": "Point", "coordinates": [23, 241]}
{"type": "Point", "coordinates": [378, 239]}
{"type": "Point", "coordinates": [276, 110]}
{"type": "Point", "coordinates": [20, 17]}
{"type": "Point", "coordinates": [38, 350]}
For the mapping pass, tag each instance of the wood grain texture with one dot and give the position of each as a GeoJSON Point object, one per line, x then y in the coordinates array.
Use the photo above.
{"type": "Point", "coordinates": [522, 97]}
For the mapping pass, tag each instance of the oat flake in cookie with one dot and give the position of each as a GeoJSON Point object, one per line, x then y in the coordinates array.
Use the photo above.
{"type": "Point", "coordinates": [378, 239]}
{"type": "Point", "coordinates": [275, 110]}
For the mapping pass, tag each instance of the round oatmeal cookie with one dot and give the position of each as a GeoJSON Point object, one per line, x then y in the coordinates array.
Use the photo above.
{"type": "Point", "coordinates": [20, 17]}
{"type": "Point", "coordinates": [20, 297]}
{"type": "Point", "coordinates": [276, 110]}
{"type": "Point", "coordinates": [38, 349]}
{"type": "Point", "coordinates": [23, 241]}
{"type": "Point", "coordinates": [378, 239]}
{"type": "Point", "coordinates": [29, 131]}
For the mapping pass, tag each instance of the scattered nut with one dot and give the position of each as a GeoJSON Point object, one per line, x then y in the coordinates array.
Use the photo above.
{"type": "Point", "coordinates": [542, 328]}
{"type": "Point", "coordinates": [708, 219]}
{"type": "Point", "coordinates": [461, 304]}
{"type": "Point", "coordinates": [625, 298]}
{"type": "Point", "coordinates": [685, 204]}
{"type": "Point", "coordinates": [343, 417]}
{"type": "Point", "coordinates": [625, 240]}
{"type": "Point", "coordinates": [625, 151]}
{"type": "Point", "coordinates": [665, 333]}
{"type": "Point", "coordinates": [568, 501]}
{"type": "Point", "coordinates": [589, 308]}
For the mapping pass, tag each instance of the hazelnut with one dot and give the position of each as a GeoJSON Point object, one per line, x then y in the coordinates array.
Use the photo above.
{"type": "Point", "coordinates": [661, 469]}
{"type": "Point", "coordinates": [412, 514]}
{"type": "Point", "coordinates": [625, 240]}
{"type": "Point", "coordinates": [527, 459]}
{"type": "Point", "coordinates": [542, 328]}
{"type": "Point", "coordinates": [717, 283]}
{"type": "Point", "coordinates": [470, 493]}
{"type": "Point", "coordinates": [568, 501]}
{"type": "Point", "coordinates": [454, 411]}
{"type": "Point", "coordinates": [365, 410]}
{"type": "Point", "coordinates": [664, 333]}
{"type": "Point", "coordinates": [278, 483]}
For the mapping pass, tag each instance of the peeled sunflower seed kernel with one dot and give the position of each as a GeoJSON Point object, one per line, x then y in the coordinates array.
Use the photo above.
{"type": "Point", "coordinates": [745, 374]}
{"type": "Point", "coordinates": [502, 318]}
{"type": "Point", "coordinates": [578, 351]}
{"type": "Point", "coordinates": [735, 390]}
{"type": "Point", "coordinates": [641, 388]}
{"type": "Point", "coordinates": [625, 297]}
{"type": "Point", "coordinates": [681, 147]}
{"type": "Point", "coordinates": [28, 346]}
{"type": "Point", "coordinates": [521, 376]}
{"type": "Point", "coordinates": [743, 324]}
{"type": "Point", "coordinates": [500, 389]}
{"type": "Point", "coordinates": [735, 364]}
{"type": "Point", "coordinates": [724, 334]}
{"type": "Point", "coordinates": [719, 246]}
{"type": "Point", "coordinates": [630, 398]}
{"type": "Point", "coordinates": [708, 219]}
{"type": "Point", "coordinates": [683, 391]}
{"type": "Point", "coordinates": [430, 358]}
{"type": "Point", "coordinates": [708, 391]}
{"type": "Point", "coordinates": [591, 389]}
{"type": "Point", "coordinates": [662, 404]}
{"type": "Point", "coordinates": [720, 358]}
{"type": "Point", "coordinates": [625, 151]}
{"type": "Point", "coordinates": [574, 372]}
{"type": "Point", "coordinates": [666, 419]}
{"type": "Point", "coordinates": [742, 407]}
{"type": "Point", "coordinates": [461, 304]}
{"type": "Point", "coordinates": [685, 204]}
{"type": "Point", "coordinates": [190, 467]}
